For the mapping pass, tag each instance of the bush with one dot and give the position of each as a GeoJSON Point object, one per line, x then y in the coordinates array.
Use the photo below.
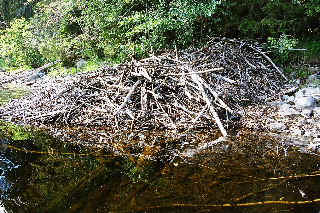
{"type": "Point", "coordinates": [264, 18]}
{"type": "Point", "coordinates": [17, 47]}
{"type": "Point", "coordinates": [116, 30]}
{"type": "Point", "coordinates": [312, 55]}
{"type": "Point", "coordinates": [134, 28]}
{"type": "Point", "coordinates": [51, 30]}
{"type": "Point", "coordinates": [282, 47]}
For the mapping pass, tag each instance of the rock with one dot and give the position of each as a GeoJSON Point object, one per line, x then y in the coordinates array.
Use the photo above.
{"type": "Point", "coordinates": [288, 99]}
{"type": "Point", "coordinates": [308, 91]}
{"type": "Point", "coordinates": [277, 126]}
{"type": "Point", "coordinates": [312, 91]}
{"type": "Point", "coordinates": [36, 76]}
{"type": "Point", "coordinates": [305, 102]}
{"type": "Point", "coordinates": [286, 109]}
{"type": "Point", "coordinates": [316, 111]}
{"type": "Point", "coordinates": [81, 63]}
{"type": "Point", "coordinates": [311, 78]}
{"type": "Point", "coordinates": [306, 113]}
{"type": "Point", "coordinates": [314, 79]}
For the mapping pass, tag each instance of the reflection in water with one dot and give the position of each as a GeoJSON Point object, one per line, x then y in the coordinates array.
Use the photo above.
{"type": "Point", "coordinates": [5, 166]}
{"type": "Point", "coordinates": [245, 171]}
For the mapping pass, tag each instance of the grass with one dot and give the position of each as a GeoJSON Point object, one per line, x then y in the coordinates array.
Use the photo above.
{"type": "Point", "coordinates": [90, 65]}
{"type": "Point", "coordinates": [14, 132]}
{"type": "Point", "coordinates": [298, 62]}
{"type": "Point", "coordinates": [11, 93]}
{"type": "Point", "coordinates": [312, 55]}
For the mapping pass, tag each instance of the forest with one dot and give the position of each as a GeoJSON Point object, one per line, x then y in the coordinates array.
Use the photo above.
{"type": "Point", "coordinates": [159, 106]}
{"type": "Point", "coordinates": [36, 32]}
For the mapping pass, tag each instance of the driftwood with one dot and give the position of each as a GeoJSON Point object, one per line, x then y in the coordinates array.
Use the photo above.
{"type": "Point", "coordinates": [23, 76]}
{"type": "Point", "coordinates": [195, 88]}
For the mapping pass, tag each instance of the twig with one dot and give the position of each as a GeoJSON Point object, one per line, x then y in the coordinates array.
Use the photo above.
{"type": "Point", "coordinates": [195, 78]}
{"type": "Point", "coordinates": [47, 66]}
{"type": "Point", "coordinates": [269, 59]}
{"type": "Point", "coordinates": [127, 98]}
{"type": "Point", "coordinates": [200, 114]}
{"type": "Point", "coordinates": [144, 105]}
{"type": "Point", "coordinates": [159, 105]}
{"type": "Point", "coordinates": [190, 73]}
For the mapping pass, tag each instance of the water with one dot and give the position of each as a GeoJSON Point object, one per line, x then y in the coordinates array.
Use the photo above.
{"type": "Point", "coordinates": [44, 175]}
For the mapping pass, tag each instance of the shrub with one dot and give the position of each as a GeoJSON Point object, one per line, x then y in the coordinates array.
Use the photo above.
{"type": "Point", "coordinates": [120, 29]}
{"type": "Point", "coordinates": [17, 47]}
{"type": "Point", "coordinates": [52, 32]}
{"type": "Point", "coordinates": [282, 46]}
{"type": "Point", "coordinates": [264, 18]}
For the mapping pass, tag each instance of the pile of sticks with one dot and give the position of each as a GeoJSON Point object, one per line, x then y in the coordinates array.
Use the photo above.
{"type": "Point", "coordinates": [175, 90]}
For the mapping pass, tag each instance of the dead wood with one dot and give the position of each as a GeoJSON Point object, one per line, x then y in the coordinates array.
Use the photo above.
{"type": "Point", "coordinates": [194, 88]}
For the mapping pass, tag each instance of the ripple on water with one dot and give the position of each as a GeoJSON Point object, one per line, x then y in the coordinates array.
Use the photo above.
{"type": "Point", "coordinates": [248, 169]}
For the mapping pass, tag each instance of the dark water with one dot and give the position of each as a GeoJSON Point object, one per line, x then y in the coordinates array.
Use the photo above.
{"type": "Point", "coordinates": [44, 175]}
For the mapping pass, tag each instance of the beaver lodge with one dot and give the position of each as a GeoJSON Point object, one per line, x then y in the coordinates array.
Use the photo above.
{"type": "Point", "coordinates": [175, 91]}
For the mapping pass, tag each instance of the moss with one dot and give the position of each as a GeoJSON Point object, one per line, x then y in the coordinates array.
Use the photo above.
{"type": "Point", "coordinates": [14, 132]}
{"type": "Point", "coordinates": [90, 65]}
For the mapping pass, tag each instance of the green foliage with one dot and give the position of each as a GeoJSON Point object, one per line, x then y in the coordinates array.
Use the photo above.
{"type": "Point", "coordinates": [116, 30]}
{"type": "Point", "coordinates": [312, 54]}
{"type": "Point", "coordinates": [90, 65]}
{"type": "Point", "coordinates": [313, 7]}
{"type": "Point", "coordinates": [52, 32]}
{"type": "Point", "coordinates": [264, 18]}
{"type": "Point", "coordinates": [13, 131]}
{"type": "Point", "coordinates": [2, 63]}
{"type": "Point", "coordinates": [303, 73]}
{"type": "Point", "coordinates": [10, 9]}
{"type": "Point", "coordinates": [17, 47]}
{"type": "Point", "coordinates": [298, 72]}
{"type": "Point", "coordinates": [120, 29]}
{"type": "Point", "coordinates": [282, 46]}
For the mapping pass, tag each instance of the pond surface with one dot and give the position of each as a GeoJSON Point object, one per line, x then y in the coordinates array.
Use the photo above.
{"type": "Point", "coordinates": [245, 174]}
